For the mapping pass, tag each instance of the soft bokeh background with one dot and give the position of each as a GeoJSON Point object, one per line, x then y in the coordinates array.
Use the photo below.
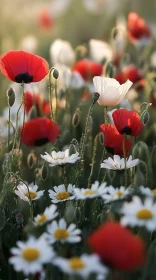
{"type": "Point", "coordinates": [76, 21]}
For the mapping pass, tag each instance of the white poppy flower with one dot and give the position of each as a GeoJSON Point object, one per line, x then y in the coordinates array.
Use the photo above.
{"type": "Point", "coordinates": [60, 158]}
{"type": "Point", "coordinates": [29, 257]}
{"type": "Point", "coordinates": [95, 191]}
{"type": "Point", "coordinates": [118, 163]}
{"type": "Point", "coordinates": [138, 213]}
{"type": "Point", "coordinates": [111, 92]}
{"type": "Point", "coordinates": [58, 231]}
{"type": "Point", "coordinates": [147, 191]}
{"type": "Point", "coordinates": [48, 215]}
{"type": "Point", "coordinates": [27, 193]}
{"type": "Point", "coordinates": [62, 52]}
{"type": "Point", "coordinates": [100, 50]}
{"type": "Point", "coordinates": [60, 193]}
{"type": "Point", "coordinates": [82, 266]}
{"type": "Point", "coordinates": [115, 193]}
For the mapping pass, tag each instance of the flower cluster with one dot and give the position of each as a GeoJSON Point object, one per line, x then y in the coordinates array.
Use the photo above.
{"type": "Point", "coordinates": [89, 182]}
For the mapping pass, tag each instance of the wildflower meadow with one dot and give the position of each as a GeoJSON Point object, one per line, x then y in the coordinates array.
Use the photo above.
{"type": "Point", "coordinates": [77, 141]}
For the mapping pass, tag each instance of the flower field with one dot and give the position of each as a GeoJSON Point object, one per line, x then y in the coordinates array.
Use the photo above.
{"type": "Point", "coordinates": [77, 141]}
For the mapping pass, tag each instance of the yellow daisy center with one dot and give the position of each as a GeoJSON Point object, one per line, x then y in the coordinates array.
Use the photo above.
{"type": "Point", "coordinates": [62, 195]}
{"type": "Point", "coordinates": [119, 193]}
{"type": "Point", "coordinates": [31, 195]}
{"type": "Point", "coordinates": [61, 233]}
{"type": "Point", "coordinates": [144, 214]}
{"type": "Point", "coordinates": [59, 158]}
{"type": "Point", "coordinates": [30, 254]}
{"type": "Point", "coordinates": [42, 219]}
{"type": "Point", "coordinates": [89, 192]}
{"type": "Point", "coordinates": [76, 263]}
{"type": "Point", "coordinates": [154, 191]}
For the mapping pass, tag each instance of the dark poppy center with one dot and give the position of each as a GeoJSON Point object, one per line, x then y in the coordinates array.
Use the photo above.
{"type": "Point", "coordinates": [41, 141]}
{"type": "Point", "coordinates": [110, 150]}
{"type": "Point", "coordinates": [126, 130]}
{"type": "Point", "coordinates": [24, 77]}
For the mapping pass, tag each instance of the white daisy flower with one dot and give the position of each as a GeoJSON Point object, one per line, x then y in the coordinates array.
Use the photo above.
{"type": "Point", "coordinates": [118, 163]}
{"type": "Point", "coordinates": [60, 158]}
{"type": "Point", "coordinates": [28, 192]}
{"type": "Point", "coordinates": [60, 193]}
{"type": "Point", "coordinates": [138, 213]}
{"type": "Point", "coordinates": [147, 191]}
{"type": "Point", "coordinates": [29, 256]}
{"type": "Point", "coordinates": [82, 266]}
{"type": "Point", "coordinates": [111, 92]}
{"type": "Point", "coordinates": [115, 193]}
{"type": "Point", "coordinates": [58, 231]}
{"type": "Point", "coordinates": [95, 191]}
{"type": "Point", "coordinates": [48, 215]}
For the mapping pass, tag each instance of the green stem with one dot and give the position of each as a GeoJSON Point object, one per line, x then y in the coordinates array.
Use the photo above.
{"type": "Point", "coordinates": [105, 115]}
{"type": "Point", "coordinates": [23, 101]}
{"type": "Point", "coordinates": [93, 160]}
{"type": "Point", "coordinates": [84, 137]}
{"type": "Point", "coordinates": [9, 119]}
{"type": "Point", "coordinates": [31, 202]}
{"type": "Point", "coordinates": [102, 158]}
{"type": "Point", "coordinates": [50, 94]}
{"type": "Point", "coordinates": [56, 99]}
{"type": "Point", "coordinates": [65, 176]}
{"type": "Point", "coordinates": [17, 114]}
{"type": "Point", "coordinates": [124, 152]}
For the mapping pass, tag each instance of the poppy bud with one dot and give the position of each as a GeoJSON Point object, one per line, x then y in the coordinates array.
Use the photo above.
{"type": "Point", "coordinates": [144, 152]}
{"type": "Point", "coordinates": [31, 160]}
{"type": "Point", "coordinates": [72, 150]}
{"type": "Point", "coordinates": [96, 96]}
{"type": "Point", "coordinates": [44, 172]}
{"type": "Point", "coordinates": [109, 70]}
{"type": "Point", "coordinates": [136, 152]}
{"type": "Point", "coordinates": [139, 178]}
{"type": "Point", "coordinates": [32, 113]}
{"type": "Point", "coordinates": [114, 32]}
{"type": "Point", "coordinates": [11, 97]}
{"type": "Point", "coordinates": [145, 117]}
{"type": "Point", "coordinates": [76, 118]}
{"type": "Point", "coordinates": [55, 74]}
{"type": "Point", "coordinates": [101, 138]}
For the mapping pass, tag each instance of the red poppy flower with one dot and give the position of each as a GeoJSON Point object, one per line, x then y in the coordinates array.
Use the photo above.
{"type": "Point", "coordinates": [118, 247]}
{"type": "Point", "coordinates": [137, 28]}
{"type": "Point", "coordinates": [41, 105]}
{"type": "Point", "coordinates": [20, 66]}
{"type": "Point", "coordinates": [128, 73]}
{"type": "Point", "coordinates": [127, 122]}
{"type": "Point", "coordinates": [88, 69]}
{"type": "Point", "coordinates": [39, 131]}
{"type": "Point", "coordinates": [113, 140]}
{"type": "Point", "coordinates": [45, 20]}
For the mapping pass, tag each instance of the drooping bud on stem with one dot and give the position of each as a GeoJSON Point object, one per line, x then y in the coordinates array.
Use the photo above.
{"type": "Point", "coordinates": [55, 74]}
{"type": "Point", "coordinates": [11, 97]}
